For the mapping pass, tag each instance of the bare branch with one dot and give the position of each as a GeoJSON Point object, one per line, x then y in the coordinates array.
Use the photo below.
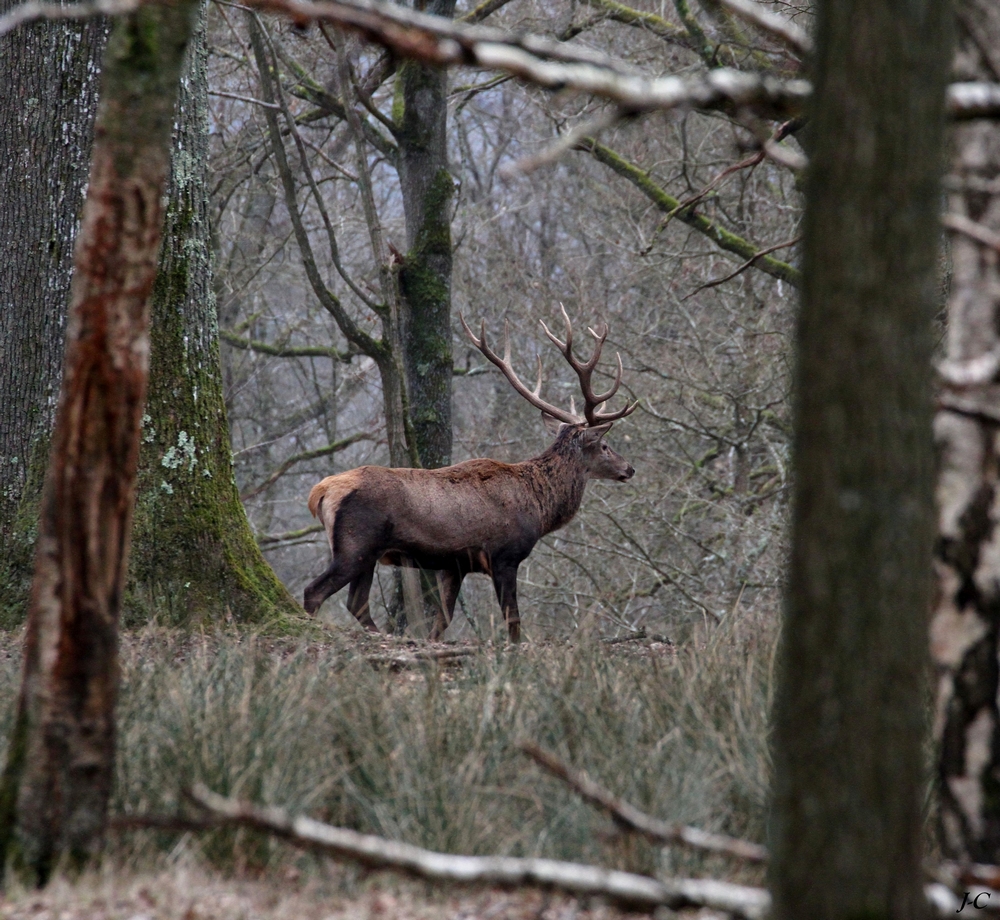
{"type": "Point", "coordinates": [630, 817]}
{"type": "Point", "coordinates": [330, 302]}
{"type": "Point", "coordinates": [967, 227]}
{"type": "Point", "coordinates": [623, 888]}
{"type": "Point", "coordinates": [247, 99]}
{"type": "Point", "coordinates": [722, 238]}
{"type": "Point", "coordinates": [272, 538]}
{"type": "Point", "coordinates": [556, 65]}
{"type": "Point", "coordinates": [785, 31]}
{"type": "Point", "coordinates": [973, 100]}
{"type": "Point", "coordinates": [324, 451]}
{"type": "Point", "coordinates": [742, 268]}
{"type": "Point", "coordinates": [284, 351]}
{"type": "Point", "coordinates": [552, 64]}
{"type": "Point", "coordinates": [567, 142]}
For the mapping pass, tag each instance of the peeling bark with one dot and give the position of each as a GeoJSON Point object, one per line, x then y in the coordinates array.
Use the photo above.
{"type": "Point", "coordinates": [965, 629]}
{"type": "Point", "coordinates": [56, 783]}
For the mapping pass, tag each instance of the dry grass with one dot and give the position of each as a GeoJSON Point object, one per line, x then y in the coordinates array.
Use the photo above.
{"type": "Point", "coordinates": [429, 755]}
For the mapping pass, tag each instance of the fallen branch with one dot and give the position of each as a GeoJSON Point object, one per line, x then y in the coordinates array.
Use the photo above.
{"type": "Point", "coordinates": [623, 888]}
{"type": "Point", "coordinates": [411, 659]}
{"type": "Point", "coordinates": [631, 818]}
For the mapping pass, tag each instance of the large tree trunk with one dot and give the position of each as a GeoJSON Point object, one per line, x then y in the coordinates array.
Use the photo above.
{"type": "Point", "coordinates": [849, 715]}
{"type": "Point", "coordinates": [56, 783]}
{"type": "Point", "coordinates": [425, 276]}
{"type": "Point", "coordinates": [965, 630]}
{"type": "Point", "coordinates": [194, 558]}
{"type": "Point", "coordinates": [49, 75]}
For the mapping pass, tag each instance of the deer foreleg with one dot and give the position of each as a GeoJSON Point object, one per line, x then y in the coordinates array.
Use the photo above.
{"type": "Point", "coordinates": [330, 582]}
{"type": "Point", "coordinates": [505, 585]}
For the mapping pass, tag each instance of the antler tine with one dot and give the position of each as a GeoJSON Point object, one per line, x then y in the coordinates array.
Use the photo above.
{"type": "Point", "coordinates": [506, 368]}
{"type": "Point", "coordinates": [469, 332]}
{"type": "Point", "coordinates": [598, 417]}
{"type": "Point", "coordinates": [601, 417]}
{"type": "Point", "coordinates": [604, 397]}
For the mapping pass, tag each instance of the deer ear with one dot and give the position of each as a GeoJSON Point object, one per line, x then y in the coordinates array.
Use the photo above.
{"type": "Point", "coordinates": [593, 435]}
{"type": "Point", "coordinates": [552, 425]}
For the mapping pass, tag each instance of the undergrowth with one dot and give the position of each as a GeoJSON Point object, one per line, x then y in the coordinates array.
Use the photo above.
{"type": "Point", "coordinates": [430, 755]}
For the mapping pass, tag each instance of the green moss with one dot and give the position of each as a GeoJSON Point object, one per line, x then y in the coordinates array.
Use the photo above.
{"type": "Point", "coordinates": [194, 560]}
{"type": "Point", "coordinates": [425, 285]}
{"type": "Point", "coordinates": [672, 207]}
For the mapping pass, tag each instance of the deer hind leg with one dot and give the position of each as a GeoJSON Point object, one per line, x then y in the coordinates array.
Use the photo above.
{"type": "Point", "coordinates": [505, 585]}
{"type": "Point", "coordinates": [449, 583]}
{"type": "Point", "coordinates": [357, 598]}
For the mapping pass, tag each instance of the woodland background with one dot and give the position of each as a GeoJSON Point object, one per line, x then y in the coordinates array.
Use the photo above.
{"type": "Point", "coordinates": [352, 205]}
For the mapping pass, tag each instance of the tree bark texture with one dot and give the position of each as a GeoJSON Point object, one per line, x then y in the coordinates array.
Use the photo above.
{"type": "Point", "coordinates": [194, 558]}
{"type": "Point", "coordinates": [425, 277]}
{"type": "Point", "coordinates": [56, 783]}
{"type": "Point", "coordinates": [849, 712]}
{"type": "Point", "coordinates": [49, 72]}
{"type": "Point", "coordinates": [965, 629]}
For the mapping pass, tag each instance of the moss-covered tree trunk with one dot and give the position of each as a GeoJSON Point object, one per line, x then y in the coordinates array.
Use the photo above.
{"type": "Point", "coordinates": [194, 557]}
{"type": "Point", "coordinates": [849, 721]}
{"type": "Point", "coordinates": [965, 629]}
{"type": "Point", "coordinates": [57, 780]}
{"type": "Point", "coordinates": [425, 276]}
{"type": "Point", "coordinates": [49, 74]}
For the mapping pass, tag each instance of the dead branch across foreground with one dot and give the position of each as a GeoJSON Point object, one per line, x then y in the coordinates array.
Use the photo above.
{"type": "Point", "coordinates": [624, 889]}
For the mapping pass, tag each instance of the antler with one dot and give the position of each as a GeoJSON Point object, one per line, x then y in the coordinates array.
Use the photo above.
{"type": "Point", "coordinates": [584, 370]}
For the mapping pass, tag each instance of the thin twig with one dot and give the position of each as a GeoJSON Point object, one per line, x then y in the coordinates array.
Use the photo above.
{"type": "Point", "coordinates": [324, 451]}
{"type": "Point", "coordinates": [568, 141]}
{"type": "Point", "coordinates": [260, 102]}
{"type": "Point", "coordinates": [742, 268]}
{"type": "Point", "coordinates": [631, 818]}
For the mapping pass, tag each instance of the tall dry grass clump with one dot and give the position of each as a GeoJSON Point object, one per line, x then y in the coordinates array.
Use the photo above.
{"type": "Point", "coordinates": [430, 755]}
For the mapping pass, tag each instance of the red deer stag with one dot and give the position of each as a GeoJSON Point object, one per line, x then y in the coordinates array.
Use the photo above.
{"type": "Point", "coordinates": [477, 516]}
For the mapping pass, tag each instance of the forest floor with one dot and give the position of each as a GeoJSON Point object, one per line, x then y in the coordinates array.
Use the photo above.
{"type": "Point", "coordinates": [194, 894]}
{"type": "Point", "coordinates": [422, 746]}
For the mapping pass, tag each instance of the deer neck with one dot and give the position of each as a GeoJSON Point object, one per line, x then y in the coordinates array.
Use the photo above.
{"type": "Point", "coordinates": [558, 479]}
